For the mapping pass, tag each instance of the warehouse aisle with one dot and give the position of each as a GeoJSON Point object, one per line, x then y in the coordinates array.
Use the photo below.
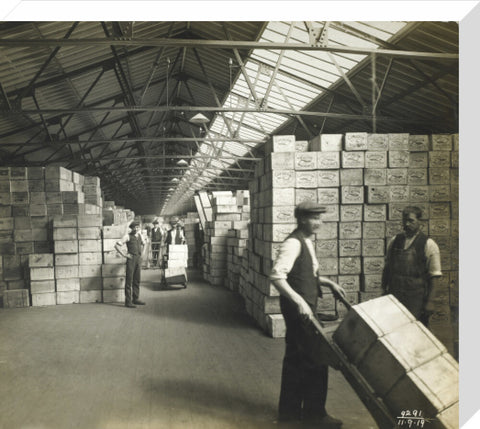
{"type": "Point", "coordinates": [190, 358]}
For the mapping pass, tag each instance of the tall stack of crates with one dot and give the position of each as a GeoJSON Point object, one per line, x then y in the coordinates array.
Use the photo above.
{"type": "Point", "coordinates": [93, 195]}
{"type": "Point", "coordinates": [227, 208]}
{"type": "Point", "coordinates": [192, 232]}
{"type": "Point", "coordinates": [45, 211]}
{"type": "Point", "coordinates": [237, 241]}
{"type": "Point", "coordinates": [115, 215]}
{"type": "Point", "coordinates": [114, 265]}
{"type": "Point", "coordinates": [42, 279]}
{"type": "Point", "coordinates": [90, 257]}
{"type": "Point", "coordinates": [66, 259]}
{"type": "Point", "coordinates": [236, 245]}
{"type": "Point", "coordinates": [365, 181]}
{"type": "Point", "coordinates": [224, 212]}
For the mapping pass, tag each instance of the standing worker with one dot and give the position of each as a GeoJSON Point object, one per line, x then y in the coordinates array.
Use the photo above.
{"type": "Point", "coordinates": [412, 267]}
{"type": "Point", "coordinates": [175, 235]}
{"type": "Point", "coordinates": [156, 236]}
{"type": "Point", "coordinates": [295, 274]}
{"type": "Point", "coordinates": [135, 244]}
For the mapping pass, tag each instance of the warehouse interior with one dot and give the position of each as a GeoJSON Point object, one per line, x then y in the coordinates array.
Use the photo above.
{"type": "Point", "coordinates": [226, 125]}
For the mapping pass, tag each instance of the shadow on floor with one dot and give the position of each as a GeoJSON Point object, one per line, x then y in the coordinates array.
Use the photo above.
{"type": "Point", "coordinates": [208, 401]}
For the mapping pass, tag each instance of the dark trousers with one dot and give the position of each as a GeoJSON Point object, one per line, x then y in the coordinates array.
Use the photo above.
{"type": "Point", "coordinates": [304, 384]}
{"type": "Point", "coordinates": [155, 252]}
{"type": "Point", "coordinates": [132, 279]}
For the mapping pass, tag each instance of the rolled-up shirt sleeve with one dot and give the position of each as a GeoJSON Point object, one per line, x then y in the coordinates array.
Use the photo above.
{"type": "Point", "coordinates": [432, 253]}
{"type": "Point", "coordinates": [287, 254]}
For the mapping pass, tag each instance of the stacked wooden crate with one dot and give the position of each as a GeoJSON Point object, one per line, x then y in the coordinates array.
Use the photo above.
{"type": "Point", "coordinates": [365, 181]}
{"type": "Point", "coordinates": [93, 195]}
{"type": "Point", "coordinates": [224, 212]}
{"type": "Point", "coordinates": [237, 240]}
{"type": "Point", "coordinates": [405, 365]}
{"type": "Point", "coordinates": [90, 257]}
{"type": "Point", "coordinates": [115, 215]}
{"type": "Point", "coordinates": [42, 279]}
{"type": "Point", "coordinates": [192, 231]}
{"type": "Point", "coordinates": [114, 264]}
{"type": "Point", "coordinates": [67, 275]}
{"type": "Point", "coordinates": [236, 245]}
{"type": "Point", "coordinates": [43, 210]}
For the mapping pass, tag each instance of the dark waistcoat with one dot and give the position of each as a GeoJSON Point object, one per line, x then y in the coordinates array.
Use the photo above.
{"type": "Point", "coordinates": [301, 276]}
{"type": "Point", "coordinates": [408, 268]}
{"type": "Point", "coordinates": [134, 245]}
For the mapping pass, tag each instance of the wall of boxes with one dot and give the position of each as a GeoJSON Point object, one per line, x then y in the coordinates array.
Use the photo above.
{"type": "Point", "coordinates": [226, 208]}
{"type": "Point", "coordinates": [193, 239]}
{"type": "Point", "coordinates": [364, 180]}
{"type": "Point", "coordinates": [54, 239]}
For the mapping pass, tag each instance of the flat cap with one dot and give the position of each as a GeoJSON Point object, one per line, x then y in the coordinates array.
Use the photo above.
{"type": "Point", "coordinates": [155, 222]}
{"type": "Point", "coordinates": [134, 224]}
{"type": "Point", "coordinates": [309, 207]}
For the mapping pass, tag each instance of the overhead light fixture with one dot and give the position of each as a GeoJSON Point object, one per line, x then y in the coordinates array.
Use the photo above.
{"type": "Point", "coordinates": [199, 118]}
{"type": "Point", "coordinates": [171, 189]}
{"type": "Point", "coordinates": [175, 179]}
{"type": "Point", "coordinates": [182, 163]}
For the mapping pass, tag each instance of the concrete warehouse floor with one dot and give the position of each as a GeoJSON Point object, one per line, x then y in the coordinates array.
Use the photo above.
{"type": "Point", "coordinates": [191, 358]}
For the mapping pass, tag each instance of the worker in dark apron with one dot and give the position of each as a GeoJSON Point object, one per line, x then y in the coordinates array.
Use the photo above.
{"type": "Point", "coordinates": [412, 267]}
{"type": "Point", "coordinates": [156, 235]}
{"type": "Point", "coordinates": [304, 384]}
{"type": "Point", "coordinates": [135, 244]}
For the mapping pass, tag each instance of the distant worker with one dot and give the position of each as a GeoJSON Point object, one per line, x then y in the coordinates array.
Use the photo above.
{"type": "Point", "coordinates": [412, 267]}
{"type": "Point", "coordinates": [156, 236]}
{"type": "Point", "coordinates": [135, 245]}
{"type": "Point", "coordinates": [176, 234]}
{"type": "Point", "coordinates": [303, 391]}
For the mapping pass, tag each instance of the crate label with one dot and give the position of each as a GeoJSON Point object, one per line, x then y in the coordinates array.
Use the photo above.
{"type": "Point", "coordinates": [305, 160]}
{"type": "Point", "coordinates": [442, 142]}
{"type": "Point", "coordinates": [353, 159]}
{"type": "Point", "coordinates": [328, 160]}
{"type": "Point", "coordinates": [377, 142]}
{"type": "Point", "coordinates": [418, 193]}
{"type": "Point", "coordinates": [350, 230]}
{"type": "Point", "coordinates": [352, 194]}
{"type": "Point", "coordinates": [377, 212]}
{"type": "Point", "coordinates": [376, 159]}
{"type": "Point", "coordinates": [349, 247]}
{"type": "Point", "coordinates": [328, 178]}
{"type": "Point", "coordinates": [418, 143]}
{"type": "Point", "coordinates": [350, 265]}
{"type": "Point", "coordinates": [373, 230]}
{"type": "Point", "coordinates": [418, 160]}
{"type": "Point", "coordinates": [356, 141]}
{"type": "Point", "coordinates": [398, 141]}
{"type": "Point", "coordinates": [326, 248]}
{"type": "Point", "coordinates": [398, 158]}
{"type": "Point", "coordinates": [397, 176]}
{"type": "Point", "coordinates": [306, 179]}
{"type": "Point", "coordinates": [351, 213]}
{"type": "Point", "coordinates": [375, 176]}
{"type": "Point", "coordinates": [327, 196]}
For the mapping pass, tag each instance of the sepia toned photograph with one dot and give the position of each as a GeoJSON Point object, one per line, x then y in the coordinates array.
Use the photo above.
{"type": "Point", "coordinates": [231, 223]}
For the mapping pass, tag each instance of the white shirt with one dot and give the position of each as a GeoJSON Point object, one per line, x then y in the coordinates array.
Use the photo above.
{"type": "Point", "coordinates": [289, 251]}
{"type": "Point", "coordinates": [174, 234]}
{"type": "Point", "coordinates": [432, 253]}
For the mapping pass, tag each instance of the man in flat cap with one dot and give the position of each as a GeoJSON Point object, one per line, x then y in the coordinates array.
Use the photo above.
{"type": "Point", "coordinates": [135, 244]}
{"type": "Point", "coordinates": [175, 235]}
{"type": "Point", "coordinates": [295, 274]}
{"type": "Point", "coordinates": [156, 235]}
